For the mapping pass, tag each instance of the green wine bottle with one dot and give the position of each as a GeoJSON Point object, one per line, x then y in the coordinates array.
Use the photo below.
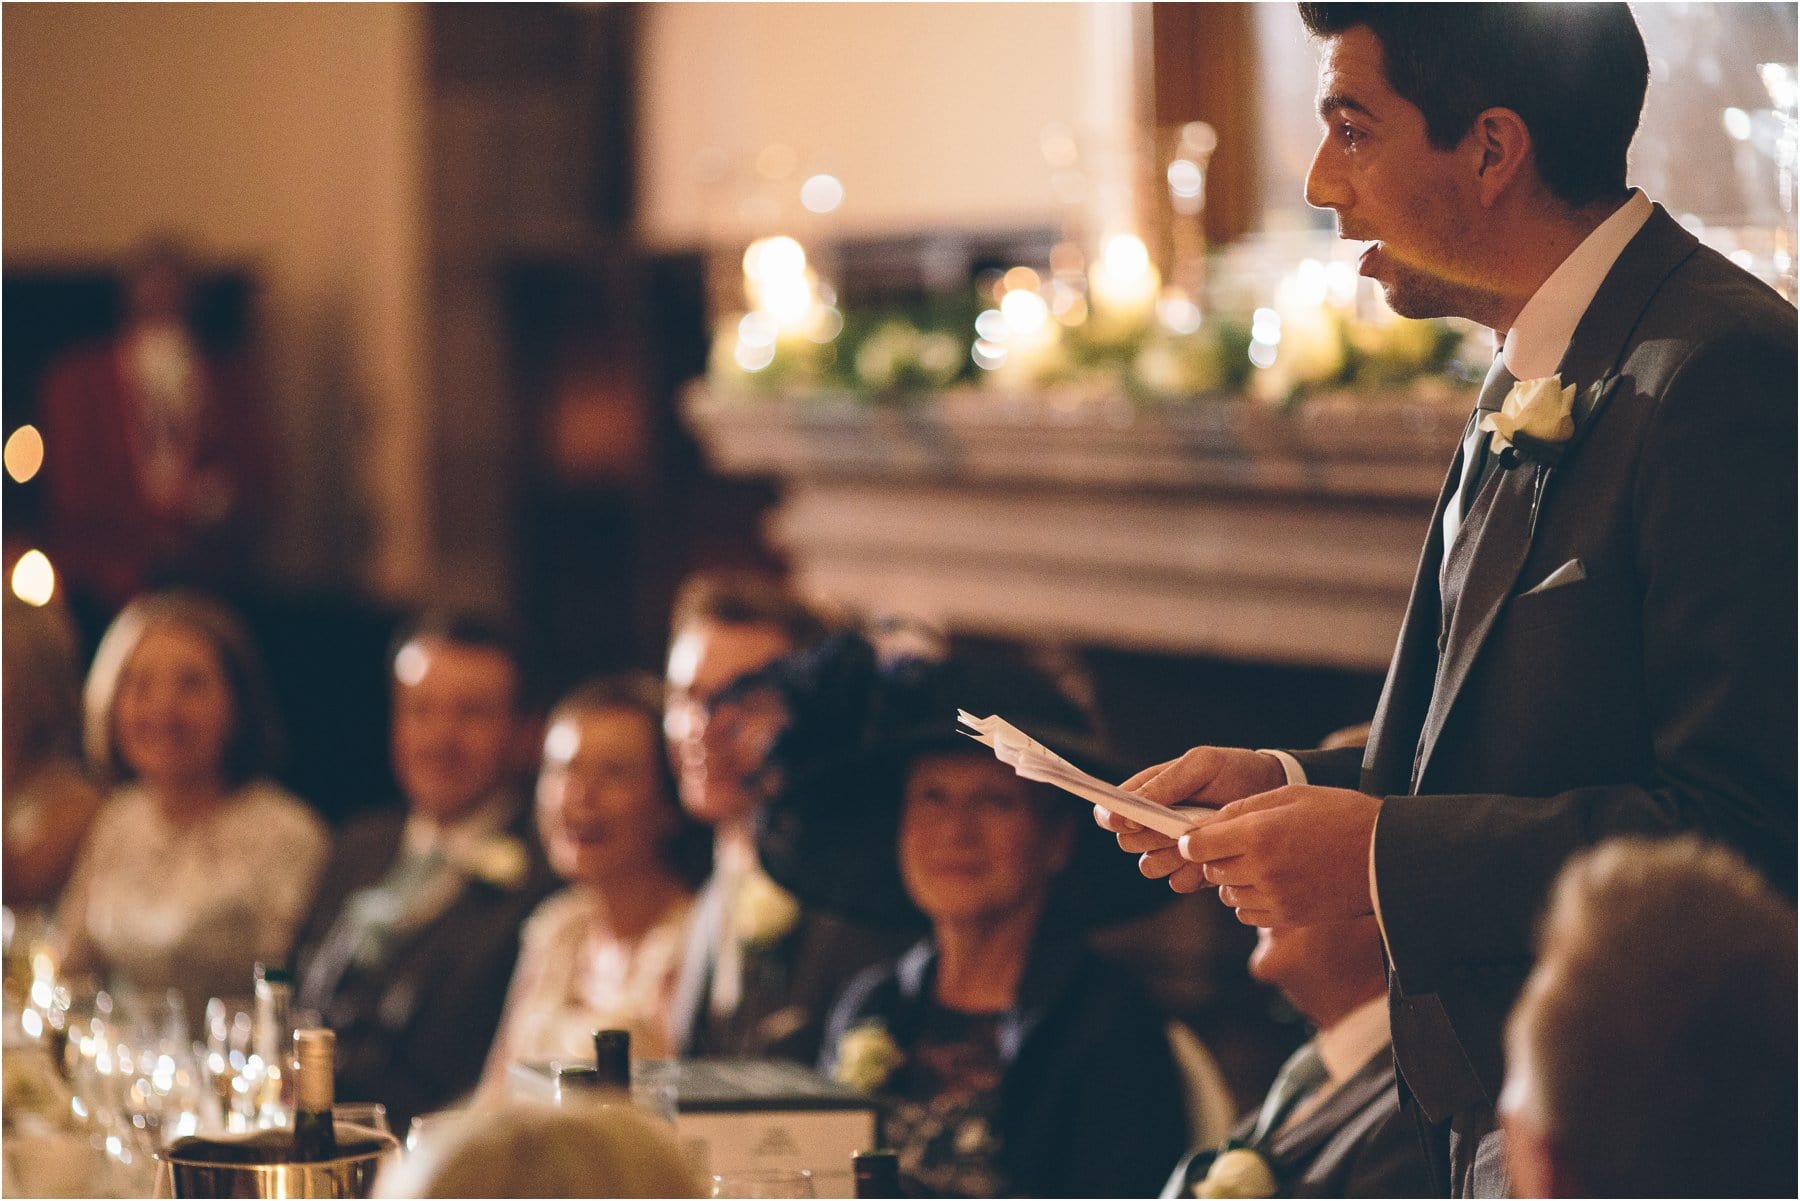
{"type": "Point", "coordinates": [315, 1135]}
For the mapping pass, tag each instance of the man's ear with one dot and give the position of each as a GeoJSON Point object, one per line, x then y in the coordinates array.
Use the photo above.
{"type": "Point", "coordinates": [1500, 142]}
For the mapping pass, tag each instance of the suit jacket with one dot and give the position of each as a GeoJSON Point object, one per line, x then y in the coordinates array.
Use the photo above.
{"type": "Point", "coordinates": [1355, 1144]}
{"type": "Point", "coordinates": [413, 1030]}
{"type": "Point", "coordinates": [788, 987]}
{"type": "Point", "coordinates": [1652, 693]}
{"type": "Point", "coordinates": [1091, 1101]}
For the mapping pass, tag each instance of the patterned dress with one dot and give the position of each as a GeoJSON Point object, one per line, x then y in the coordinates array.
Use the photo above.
{"type": "Point", "coordinates": [193, 906]}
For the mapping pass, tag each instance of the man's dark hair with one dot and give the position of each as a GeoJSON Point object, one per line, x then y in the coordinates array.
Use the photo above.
{"type": "Point", "coordinates": [744, 598]}
{"type": "Point", "coordinates": [1575, 73]}
{"type": "Point", "coordinates": [466, 629]}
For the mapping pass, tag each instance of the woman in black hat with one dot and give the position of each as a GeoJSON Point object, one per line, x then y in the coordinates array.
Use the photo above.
{"type": "Point", "coordinates": [1009, 1059]}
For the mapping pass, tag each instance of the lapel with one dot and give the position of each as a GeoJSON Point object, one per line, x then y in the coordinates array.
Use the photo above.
{"type": "Point", "coordinates": [359, 864]}
{"type": "Point", "coordinates": [1308, 1138]}
{"type": "Point", "coordinates": [1388, 761]}
{"type": "Point", "coordinates": [1505, 514]}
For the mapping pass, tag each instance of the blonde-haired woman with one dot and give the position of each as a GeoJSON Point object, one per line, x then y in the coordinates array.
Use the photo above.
{"type": "Point", "coordinates": [199, 866]}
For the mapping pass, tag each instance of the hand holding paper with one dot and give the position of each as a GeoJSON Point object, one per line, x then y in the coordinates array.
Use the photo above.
{"type": "Point", "coordinates": [1034, 761]}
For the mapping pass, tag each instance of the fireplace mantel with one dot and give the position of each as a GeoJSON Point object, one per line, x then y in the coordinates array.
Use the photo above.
{"type": "Point", "coordinates": [1220, 527]}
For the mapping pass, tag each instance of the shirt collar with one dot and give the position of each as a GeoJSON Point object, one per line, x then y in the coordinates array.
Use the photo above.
{"type": "Point", "coordinates": [1540, 334]}
{"type": "Point", "coordinates": [1351, 1042]}
{"type": "Point", "coordinates": [489, 817]}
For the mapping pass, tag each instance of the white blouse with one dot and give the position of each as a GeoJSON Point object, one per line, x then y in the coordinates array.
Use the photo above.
{"type": "Point", "coordinates": [573, 979]}
{"type": "Point", "coordinates": [193, 905]}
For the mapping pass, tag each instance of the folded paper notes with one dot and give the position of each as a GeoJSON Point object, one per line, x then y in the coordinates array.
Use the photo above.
{"type": "Point", "coordinates": [1035, 761]}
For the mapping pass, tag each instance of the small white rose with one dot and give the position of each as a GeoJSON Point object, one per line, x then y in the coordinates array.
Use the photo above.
{"type": "Point", "coordinates": [763, 911]}
{"type": "Point", "coordinates": [1541, 409]}
{"type": "Point", "coordinates": [1239, 1172]}
{"type": "Point", "coordinates": [867, 1056]}
{"type": "Point", "coordinates": [501, 861]}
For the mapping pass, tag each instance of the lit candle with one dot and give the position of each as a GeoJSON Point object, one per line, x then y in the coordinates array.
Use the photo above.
{"type": "Point", "coordinates": [1122, 288]}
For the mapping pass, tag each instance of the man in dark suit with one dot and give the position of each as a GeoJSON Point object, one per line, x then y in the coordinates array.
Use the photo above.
{"type": "Point", "coordinates": [1601, 635]}
{"type": "Point", "coordinates": [1331, 1125]}
{"type": "Point", "coordinates": [416, 925]}
{"type": "Point", "coordinates": [759, 972]}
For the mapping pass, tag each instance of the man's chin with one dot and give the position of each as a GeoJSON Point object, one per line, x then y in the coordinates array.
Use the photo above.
{"type": "Point", "coordinates": [1415, 299]}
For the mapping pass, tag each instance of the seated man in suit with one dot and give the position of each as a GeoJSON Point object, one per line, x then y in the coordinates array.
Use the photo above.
{"type": "Point", "coordinates": [1653, 1050]}
{"type": "Point", "coordinates": [417, 920]}
{"type": "Point", "coordinates": [1331, 1125]}
{"type": "Point", "coordinates": [759, 972]}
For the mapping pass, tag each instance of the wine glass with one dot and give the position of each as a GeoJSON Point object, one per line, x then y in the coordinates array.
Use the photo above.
{"type": "Point", "coordinates": [653, 1087]}
{"type": "Point", "coordinates": [371, 1115]}
{"type": "Point", "coordinates": [764, 1182]}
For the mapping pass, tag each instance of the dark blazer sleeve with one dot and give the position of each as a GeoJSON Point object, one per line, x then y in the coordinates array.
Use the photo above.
{"type": "Point", "coordinates": [1339, 768]}
{"type": "Point", "coordinates": [1712, 536]}
{"type": "Point", "coordinates": [1094, 1105]}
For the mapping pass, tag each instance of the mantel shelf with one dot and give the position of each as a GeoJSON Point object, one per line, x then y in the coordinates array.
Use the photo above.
{"type": "Point", "coordinates": [1220, 527]}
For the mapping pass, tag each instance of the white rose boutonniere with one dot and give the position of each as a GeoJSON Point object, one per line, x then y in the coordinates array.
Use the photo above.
{"type": "Point", "coordinates": [763, 911]}
{"type": "Point", "coordinates": [1537, 417]}
{"type": "Point", "coordinates": [866, 1056]}
{"type": "Point", "coordinates": [1238, 1172]}
{"type": "Point", "coordinates": [500, 860]}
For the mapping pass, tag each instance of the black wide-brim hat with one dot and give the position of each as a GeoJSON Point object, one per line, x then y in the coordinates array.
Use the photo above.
{"type": "Point", "coordinates": [829, 833]}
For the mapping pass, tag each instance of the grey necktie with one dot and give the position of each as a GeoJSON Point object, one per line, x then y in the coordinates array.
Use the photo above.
{"type": "Point", "coordinates": [1299, 1077]}
{"type": "Point", "coordinates": [1477, 462]}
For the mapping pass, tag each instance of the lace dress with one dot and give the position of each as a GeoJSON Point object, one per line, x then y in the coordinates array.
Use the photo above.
{"type": "Point", "coordinates": [193, 906]}
{"type": "Point", "coordinates": [943, 1109]}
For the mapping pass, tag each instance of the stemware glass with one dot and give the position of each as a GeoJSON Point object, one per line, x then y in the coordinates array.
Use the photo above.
{"type": "Point", "coordinates": [371, 1115]}
{"type": "Point", "coordinates": [764, 1182]}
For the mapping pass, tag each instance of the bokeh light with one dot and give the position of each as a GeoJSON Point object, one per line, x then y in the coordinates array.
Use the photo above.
{"type": "Point", "coordinates": [33, 579]}
{"type": "Point", "coordinates": [24, 453]}
{"type": "Point", "coordinates": [821, 193]}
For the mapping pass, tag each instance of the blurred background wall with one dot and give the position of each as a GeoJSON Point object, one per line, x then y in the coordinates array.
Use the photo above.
{"type": "Point", "coordinates": [287, 141]}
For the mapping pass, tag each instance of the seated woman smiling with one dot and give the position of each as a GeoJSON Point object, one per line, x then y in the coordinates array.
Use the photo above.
{"type": "Point", "coordinates": [604, 951]}
{"type": "Point", "coordinates": [1009, 1060]}
{"type": "Point", "coordinates": [199, 866]}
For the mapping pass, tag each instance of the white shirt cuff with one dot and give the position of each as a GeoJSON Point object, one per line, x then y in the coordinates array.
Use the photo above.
{"type": "Point", "coordinates": [1290, 766]}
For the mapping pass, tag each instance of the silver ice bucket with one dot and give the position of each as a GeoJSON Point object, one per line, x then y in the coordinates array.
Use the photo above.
{"type": "Point", "coordinates": [349, 1175]}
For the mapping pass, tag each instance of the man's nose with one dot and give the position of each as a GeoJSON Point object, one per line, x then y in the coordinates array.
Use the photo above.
{"type": "Point", "coordinates": [1325, 188]}
{"type": "Point", "coordinates": [577, 798]}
